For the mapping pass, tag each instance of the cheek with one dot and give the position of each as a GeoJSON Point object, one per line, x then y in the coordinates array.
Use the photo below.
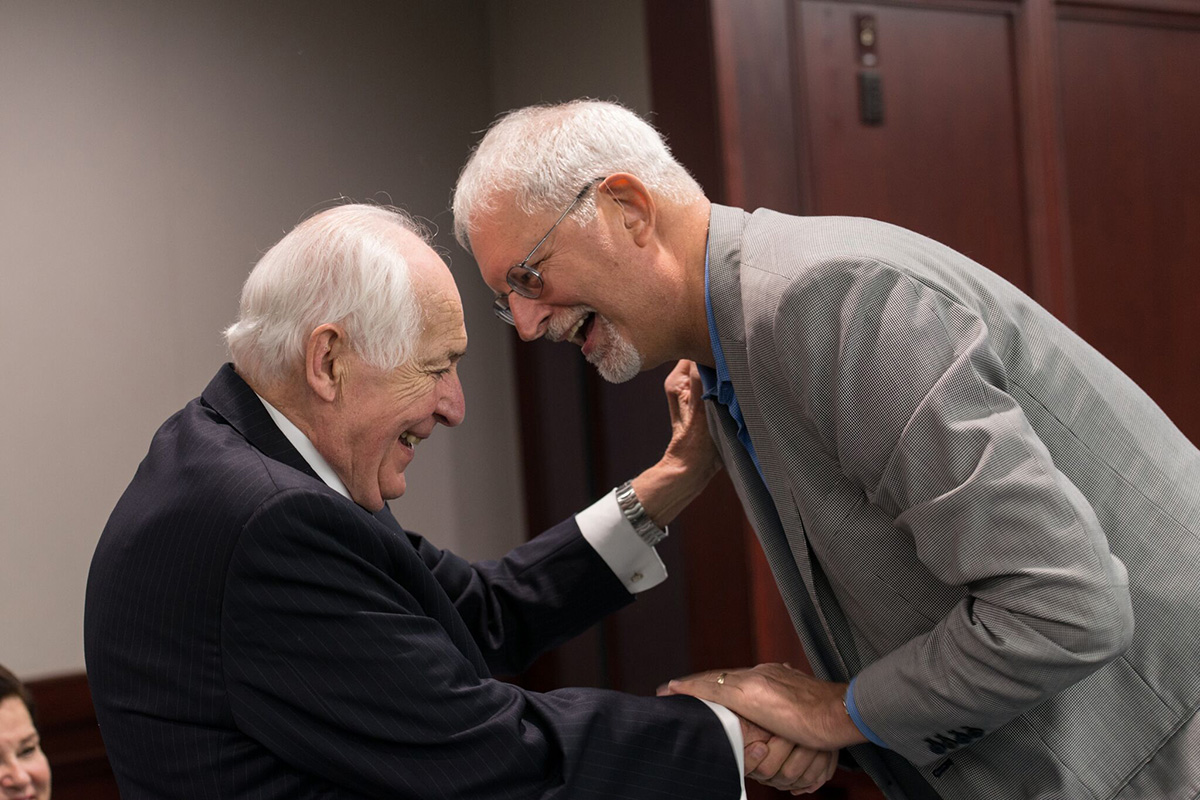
{"type": "Point", "coordinates": [40, 773]}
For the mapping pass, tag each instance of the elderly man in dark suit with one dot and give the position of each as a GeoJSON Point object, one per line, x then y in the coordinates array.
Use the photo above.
{"type": "Point", "coordinates": [987, 537]}
{"type": "Point", "coordinates": [259, 625]}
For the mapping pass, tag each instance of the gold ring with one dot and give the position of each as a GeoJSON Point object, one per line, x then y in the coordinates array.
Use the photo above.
{"type": "Point", "coordinates": [721, 678]}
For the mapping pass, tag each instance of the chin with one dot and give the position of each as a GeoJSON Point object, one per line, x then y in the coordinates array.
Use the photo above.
{"type": "Point", "coordinates": [394, 490]}
{"type": "Point", "coordinates": [616, 359]}
{"type": "Point", "coordinates": [619, 367]}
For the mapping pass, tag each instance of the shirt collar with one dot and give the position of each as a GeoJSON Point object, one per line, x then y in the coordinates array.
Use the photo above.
{"type": "Point", "coordinates": [716, 382]}
{"type": "Point", "coordinates": [306, 449]}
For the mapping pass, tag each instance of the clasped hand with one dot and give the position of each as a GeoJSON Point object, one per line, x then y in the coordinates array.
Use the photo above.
{"type": "Point", "coordinates": [791, 723]}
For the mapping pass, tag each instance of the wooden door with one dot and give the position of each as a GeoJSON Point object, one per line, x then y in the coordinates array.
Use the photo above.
{"type": "Point", "coordinates": [943, 155]}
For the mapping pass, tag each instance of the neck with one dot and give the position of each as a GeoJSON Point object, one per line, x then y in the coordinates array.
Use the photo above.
{"type": "Point", "coordinates": [288, 399]}
{"type": "Point", "coordinates": [694, 341]}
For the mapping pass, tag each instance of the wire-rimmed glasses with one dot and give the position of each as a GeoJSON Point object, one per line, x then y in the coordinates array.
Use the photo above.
{"type": "Point", "coordinates": [524, 279]}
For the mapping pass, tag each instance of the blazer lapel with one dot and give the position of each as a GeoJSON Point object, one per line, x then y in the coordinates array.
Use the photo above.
{"type": "Point", "coordinates": [776, 518]}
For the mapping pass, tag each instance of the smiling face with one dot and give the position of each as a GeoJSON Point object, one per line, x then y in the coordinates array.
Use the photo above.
{"type": "Point", "coordinates": [24, 771]}
{"type": "Point", "coordinates": [373, 419]}
{"type": "Point", "coordinates": [595, 274]}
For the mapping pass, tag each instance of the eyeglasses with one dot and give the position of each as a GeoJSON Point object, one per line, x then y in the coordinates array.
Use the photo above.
{"type": "Point", "coordinates": [524, 279]}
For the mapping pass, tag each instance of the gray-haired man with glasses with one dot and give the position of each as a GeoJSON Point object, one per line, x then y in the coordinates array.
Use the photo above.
{"type": "Point", "coordinates": [987, 536]}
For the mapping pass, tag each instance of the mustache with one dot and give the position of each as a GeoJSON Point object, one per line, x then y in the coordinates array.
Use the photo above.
{"type": "Point", "coordinates": [562, 324]}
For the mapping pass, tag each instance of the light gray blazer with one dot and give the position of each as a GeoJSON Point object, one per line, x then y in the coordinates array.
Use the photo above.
{"type": "Point", "coordinates": [967, 507]}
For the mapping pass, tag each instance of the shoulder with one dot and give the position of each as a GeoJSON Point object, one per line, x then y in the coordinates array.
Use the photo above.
{"type": "Point", "coordinates": [843, 270]}
{"type": "Point", "coordinates": [202, 478]}
{"type": "Point", "coordinates": [798, 247]}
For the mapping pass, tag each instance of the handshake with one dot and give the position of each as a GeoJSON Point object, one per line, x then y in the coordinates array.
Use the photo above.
{"type": "Point", "coordinates": [792, 724]}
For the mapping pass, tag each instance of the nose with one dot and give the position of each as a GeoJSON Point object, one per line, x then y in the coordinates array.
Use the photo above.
{"type": "Point", "coordinates": [531, 318]}
{"type": "Point", "coordinates": [13, 777]}
{"type": "Point", "coordinates": [452, 405]}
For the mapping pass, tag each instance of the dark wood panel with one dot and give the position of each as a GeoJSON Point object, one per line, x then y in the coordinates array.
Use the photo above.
{"type": "Point", "coordinates": [775, 639]}
{"type": "Point", "coordinates": [1181, 8]}
{"type": "Point", "coordinates": [946, 159]}
{"type": "Point", "coordinates": [1051, 282]}
{"type": "Point", "coordinates": [558, 458]}
{"type": "Point", "coordinates": [752, 47]}
{"type": "Point", "coordinates": [1131, 121]}
{"type": "Point", "coordinates": [683, 86]}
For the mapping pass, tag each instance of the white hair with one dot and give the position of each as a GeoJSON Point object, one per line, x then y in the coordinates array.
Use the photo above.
{"type": "Point", "coordinates": [543, 155]}
{"type": "Point", "coordinates": [341, 266]}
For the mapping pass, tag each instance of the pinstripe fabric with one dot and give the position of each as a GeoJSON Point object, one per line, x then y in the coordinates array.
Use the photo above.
{"type": "Point", "coordinates": [967, 507]}
{"type": "Point", "coordinates": [252, 634]}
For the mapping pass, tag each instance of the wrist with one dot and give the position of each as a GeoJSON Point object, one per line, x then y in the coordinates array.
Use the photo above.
{"type": "Point", "coordinates": [843, 731]}
{"type": "Point", "coordinates": [666, 488]}
{"type": "Point", "coordinates": [635, 514]}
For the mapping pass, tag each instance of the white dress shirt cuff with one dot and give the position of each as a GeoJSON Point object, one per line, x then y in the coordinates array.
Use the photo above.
{"type": "Point", "coordinates": [634, 562]}
{"type": "Point", "coordinates": [733, 729]}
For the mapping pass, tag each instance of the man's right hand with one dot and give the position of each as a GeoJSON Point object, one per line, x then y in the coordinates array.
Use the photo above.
{"type": "Point", "coordinates": [779, 763]}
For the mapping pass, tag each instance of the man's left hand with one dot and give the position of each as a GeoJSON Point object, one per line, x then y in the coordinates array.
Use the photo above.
{"type": "Point", "coordinates": [782, 700]}
{"type": "Point", "coordinates": [691, 458]}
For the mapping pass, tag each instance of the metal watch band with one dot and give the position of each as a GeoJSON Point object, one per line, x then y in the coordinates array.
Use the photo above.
{"type": "Point", "coordinates": [632, 508]}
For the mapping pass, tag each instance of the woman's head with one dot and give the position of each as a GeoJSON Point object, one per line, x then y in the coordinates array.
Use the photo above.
{"type": "Point", "coordinates": [24, 771]}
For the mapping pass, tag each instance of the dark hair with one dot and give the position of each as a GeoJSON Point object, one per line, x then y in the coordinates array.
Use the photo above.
{"type": "Point", "coordinates": [11, 686]}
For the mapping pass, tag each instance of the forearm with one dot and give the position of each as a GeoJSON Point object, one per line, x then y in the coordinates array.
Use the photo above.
{"type": "Point", "coordinates": [971, 675]}
{"type": "Point", "coordinates": [691, 458]}
{"type": "Point", "coordinates": [667, 488]}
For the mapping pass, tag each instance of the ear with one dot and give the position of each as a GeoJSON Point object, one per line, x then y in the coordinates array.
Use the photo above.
{"type": "Point", "coordinates": [634, 203]}
{"type": "Point", "coordinates": [325, 360]}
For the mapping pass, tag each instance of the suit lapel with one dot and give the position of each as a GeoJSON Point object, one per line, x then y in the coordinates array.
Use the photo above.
{"type": "Point", "coordinates": [233, 399]}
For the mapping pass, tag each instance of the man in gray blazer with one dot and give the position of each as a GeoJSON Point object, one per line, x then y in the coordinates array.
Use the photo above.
{"type": "Point", "coordinates": [987, 536]}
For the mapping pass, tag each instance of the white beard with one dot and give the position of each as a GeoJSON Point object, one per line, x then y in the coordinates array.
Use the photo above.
{"type": "Point", "coordinates": [615, 357]}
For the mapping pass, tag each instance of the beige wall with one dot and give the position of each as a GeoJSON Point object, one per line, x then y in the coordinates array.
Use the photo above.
{"type": "Point", "coordinates": [545, 51]}
{"type": "Point", "coordinates": [150, 152]}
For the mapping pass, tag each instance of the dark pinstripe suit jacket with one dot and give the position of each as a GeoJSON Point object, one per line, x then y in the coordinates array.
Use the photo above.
{"type": "Point", "coordinates": [250, 633]}
{"type": "Point", "coordinates": [967, 507]}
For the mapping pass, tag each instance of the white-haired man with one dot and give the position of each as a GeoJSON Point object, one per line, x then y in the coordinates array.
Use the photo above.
{"type": "Point", "coordinates": [259, 625]}
{"type": "Point", "coordinates": [987, 536]}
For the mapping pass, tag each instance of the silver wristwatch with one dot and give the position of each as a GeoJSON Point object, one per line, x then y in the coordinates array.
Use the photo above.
{"type": "Point", "coordinates": [632, 508]}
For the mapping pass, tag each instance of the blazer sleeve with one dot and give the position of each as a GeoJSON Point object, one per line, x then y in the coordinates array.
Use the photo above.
{"type": "Point", "coordinates": [921, 417]}
{"type": "Point", "coordinates": [539, 595]}
{"type": "Point", "coordinates": [338, 659]}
